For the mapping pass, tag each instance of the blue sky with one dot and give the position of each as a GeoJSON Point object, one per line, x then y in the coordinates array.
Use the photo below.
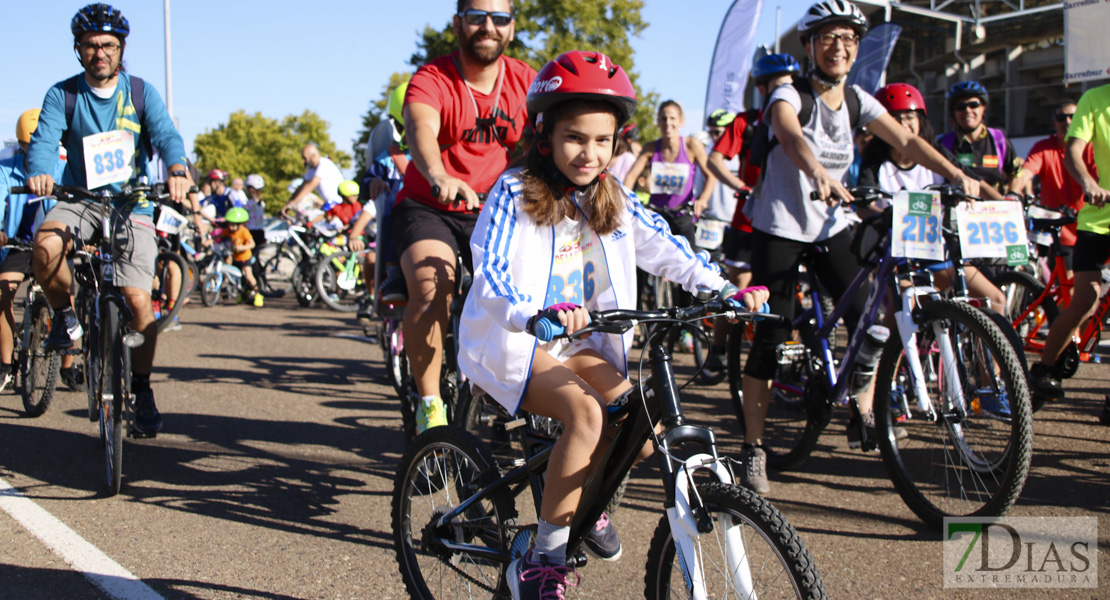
{"type": "Point", "coordinates": [331, 56]}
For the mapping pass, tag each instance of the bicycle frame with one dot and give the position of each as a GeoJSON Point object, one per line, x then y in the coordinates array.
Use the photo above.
{"type": "Point", "coordinates": [659, 403]}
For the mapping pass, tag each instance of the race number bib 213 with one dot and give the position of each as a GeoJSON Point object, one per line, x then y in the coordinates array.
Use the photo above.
{"type": "Point", "coordinates": [109, 158]}
{"type": "Point", "coordinates": [917, 231]}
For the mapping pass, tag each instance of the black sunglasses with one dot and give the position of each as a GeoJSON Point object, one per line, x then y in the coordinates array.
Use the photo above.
{"type": "Point", "coordinates": [967, 105]}
{"type": "Point", "coordinates": [1063, 117]}
{"type": "Point", "coordinates": [474, 16]}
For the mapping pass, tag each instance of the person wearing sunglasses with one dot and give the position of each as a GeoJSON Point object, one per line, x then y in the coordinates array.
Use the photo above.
{"type": "Point", "coordinates": [463, 115]}
{"type": "Point", "coordinates": [986, 150]}
{"type": "Point", "coordinates": [110, 124]}
{"type": "Point", "coordinates": [1092, 246]}
{"type": "Point", "coordinates": [1058, 188]}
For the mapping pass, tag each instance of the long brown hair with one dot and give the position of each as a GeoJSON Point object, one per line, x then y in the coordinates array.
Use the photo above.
{"type": "Point", "coordinates": [545, 186]}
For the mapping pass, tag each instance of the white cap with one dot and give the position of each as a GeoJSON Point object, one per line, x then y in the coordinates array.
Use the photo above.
{"type": "Point", "coordinates": [255, 181]}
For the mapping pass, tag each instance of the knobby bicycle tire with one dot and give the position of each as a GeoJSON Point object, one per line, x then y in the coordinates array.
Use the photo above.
{"type": "Point", "coordinates": [1021, 290]}
{"type": "Point", "coordinates": [952, 466]}
{"type": "Point", "coordinates": [444, 466]}
{"type": "Point", "coordinates": [38, 370]}
{"type": "Point", "coordinates": [276, 275]}
{"type": "Point", "coordinates": [113, 389]}
{"type": "Point", "coordinates": [768, 539]}
{"type": "Point", "coordinates": [165, 259]}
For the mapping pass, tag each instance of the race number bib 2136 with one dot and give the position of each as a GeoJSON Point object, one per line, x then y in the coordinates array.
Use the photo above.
{"type": "Point", "coordinates": [993, 230]}
{"type": "Point", "coordinates": [109, 158]}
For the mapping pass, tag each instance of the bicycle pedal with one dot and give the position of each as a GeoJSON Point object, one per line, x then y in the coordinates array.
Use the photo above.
{"type": "Point", "coordinates": [578, 561]}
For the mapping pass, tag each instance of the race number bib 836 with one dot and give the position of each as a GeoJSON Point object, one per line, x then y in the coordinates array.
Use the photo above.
{"type": "Point", "coordinates": [993, 230]}
{"type": "Point", "coordinates": [917, 226]}
{"type": "Point", "coordinates": [109, 158]}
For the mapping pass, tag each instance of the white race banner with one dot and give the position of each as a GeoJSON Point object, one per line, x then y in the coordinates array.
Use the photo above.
{"type": "Point", "coordinates": [1087, 47]}
{"type": "Point", "coordinates": [993, 230]}
{"type": "Point", "coordinates": [917, 231]}
{"type": "Point", "coordinates": [732, 57]}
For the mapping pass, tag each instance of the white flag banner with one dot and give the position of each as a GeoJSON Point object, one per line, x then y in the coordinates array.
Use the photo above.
{"type": "Point", "coordinates": [732, 58]}
{"type": "Point", "coordinates": [869, 71]}
{"type": "Point", "coordinates": [1087, 51]}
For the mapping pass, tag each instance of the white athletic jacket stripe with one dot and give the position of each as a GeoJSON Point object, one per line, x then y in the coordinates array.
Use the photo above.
{"type": "Point", "coordinates": [512, 264]}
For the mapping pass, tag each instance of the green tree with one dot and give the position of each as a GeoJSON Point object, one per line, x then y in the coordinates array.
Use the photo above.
{"type": "Point", "coordinates": [373, 116]}
{"type": "Point", "coordinates": [544, 30]}
{"type": "Point", "coordinates": [254, 143]}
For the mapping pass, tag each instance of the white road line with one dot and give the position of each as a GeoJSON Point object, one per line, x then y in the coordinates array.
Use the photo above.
{"type": "Point", "coordinates": [85, 558]}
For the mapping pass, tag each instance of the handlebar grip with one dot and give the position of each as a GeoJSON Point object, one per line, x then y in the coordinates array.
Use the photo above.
{"type": "Point", "coordinates": [20, 189]}
{"type": "Point", "coordinates": [546, 330]}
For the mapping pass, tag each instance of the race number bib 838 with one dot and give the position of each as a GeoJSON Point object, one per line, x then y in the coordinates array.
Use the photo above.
{"type": "Point", "coordinates": [917, 226]}
{"type": "Point", "coordinates": [993, 230]}
{"type": "Point", "coordinates": [668, 178]}
{"type": "Point", "coordinates": [109, 158]}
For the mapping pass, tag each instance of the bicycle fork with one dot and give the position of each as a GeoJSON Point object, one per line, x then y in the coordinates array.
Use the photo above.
{"type": "Point", "coordinates": [689, 519]}
{"type": "Point", "coordinates": [907, 329]}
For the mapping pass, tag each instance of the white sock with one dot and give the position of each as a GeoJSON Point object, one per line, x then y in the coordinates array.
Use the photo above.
{"type": "Point", "coordinates": [551, 541]}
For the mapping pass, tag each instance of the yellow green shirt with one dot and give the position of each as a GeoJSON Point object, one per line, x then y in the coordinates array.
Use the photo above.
{"type": "Point", "coordinates": [1092, 125]}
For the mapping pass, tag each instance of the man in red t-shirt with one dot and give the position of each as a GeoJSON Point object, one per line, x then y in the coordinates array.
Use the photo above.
{"type": "Point", "coordinates": [1046, 160]}
{"type": "Point", "coordinates": [464, 113]}
{"type": "Point", "coordinates": [768, 73]}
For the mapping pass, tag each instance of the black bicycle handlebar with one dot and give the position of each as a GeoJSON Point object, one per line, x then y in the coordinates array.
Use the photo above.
{"type": "Point", "coordinates": [621, 320]}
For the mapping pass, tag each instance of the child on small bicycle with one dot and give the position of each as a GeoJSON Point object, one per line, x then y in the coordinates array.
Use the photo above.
{"type": "Point", "coordinates": [242, 242]}
{"type": "Point", "coordinates": [557, 238]}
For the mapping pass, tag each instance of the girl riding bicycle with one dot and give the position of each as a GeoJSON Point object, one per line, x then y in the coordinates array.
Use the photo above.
{"type": "Point", "coordinates": [813, 157]}
{"type": "Point", "coordinates": [556, 238]}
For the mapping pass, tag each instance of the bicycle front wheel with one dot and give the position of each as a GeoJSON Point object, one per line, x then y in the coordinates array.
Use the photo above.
{"type": "Point", "coordinates": [112, 391]}
{"type": "Point", "coordinates": [171, 286]}
{"type": "Point", "coordinates": [210, 289]}
{"type": "Point", "coordinates": [339, 283]}
{"type": "Point", "coordinates": [444, 467]}
{"type": "Point", "coordinates": [752, 552]}
{"type": "Point", "coordinates": [38, 369]}
{"type": "Point", "coordinates": [968, 454]}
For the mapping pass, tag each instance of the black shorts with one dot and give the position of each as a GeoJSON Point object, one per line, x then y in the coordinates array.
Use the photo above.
{"type": "Point", "coordinates": [1091, 251]}
{"type": "Point", "coordinates": [738, 249]}
{"type": "Point", "coordinates": [1068, 254]}
{"type": "Point", "coordinates": [17, 261]}
{"type": "Point", "coordinates": [415, 222]}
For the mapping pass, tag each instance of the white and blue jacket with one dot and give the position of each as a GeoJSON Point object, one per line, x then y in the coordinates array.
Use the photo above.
{"type": "Point", "coordinates": [513, 258]}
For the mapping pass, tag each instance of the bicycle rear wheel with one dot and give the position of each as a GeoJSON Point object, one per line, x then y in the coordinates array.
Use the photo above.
{"type": "Point", "coordinates": [749, 538]}
{"type": "Point", "coordinates": [444, 467]}
{"type": "Point", "coordinates": [276, 275]}
{"type": "Point", "coordinates": [965, 457]}
{"type": "Point", "coordinates": [112, 391]}
{"type": "Point", "coordinates": [304, 283]}
{"type": "Point", "coordinates": [38, 369]}
{"type": "Point", "coordinates": [339, 285]}
{"type": "Point", "coordinates": [1021, 290]}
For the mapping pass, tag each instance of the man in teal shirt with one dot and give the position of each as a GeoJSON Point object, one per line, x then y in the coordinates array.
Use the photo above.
{"type": "Point", "coordinates": [102, 102]}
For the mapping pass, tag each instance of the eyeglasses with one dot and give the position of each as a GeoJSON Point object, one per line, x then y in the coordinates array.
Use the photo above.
{"type": "Point", "coordinates": [1063, 117]}
{"type": "Point", "coordinates": [110, 49]}
{"type": "Point", "coordinates": [828, 39]}
{"type": "Point", "coordinates": [477, 17]}
{"type": "Point", "coordinates": [966, 105]}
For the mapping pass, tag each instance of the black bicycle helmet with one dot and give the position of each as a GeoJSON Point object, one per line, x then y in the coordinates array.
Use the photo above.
{"type": "Point", "coordinates": [99, 18]}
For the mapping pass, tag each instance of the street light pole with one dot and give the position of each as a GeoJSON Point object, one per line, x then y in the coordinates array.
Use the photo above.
{"type": "Point", "coordinates": [169, 69]}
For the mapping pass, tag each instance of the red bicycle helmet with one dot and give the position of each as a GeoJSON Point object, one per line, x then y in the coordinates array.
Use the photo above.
{"type": "Point", "coordinates": [582, 75]}
{"type": "Point", "coordinates": [216, 175]}
{"type": "Point", "coordinates": [901, 96]}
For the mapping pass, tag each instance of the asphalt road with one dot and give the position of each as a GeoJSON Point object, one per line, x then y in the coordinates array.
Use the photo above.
{"type": "Point", "coordinates": [272, 479]}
